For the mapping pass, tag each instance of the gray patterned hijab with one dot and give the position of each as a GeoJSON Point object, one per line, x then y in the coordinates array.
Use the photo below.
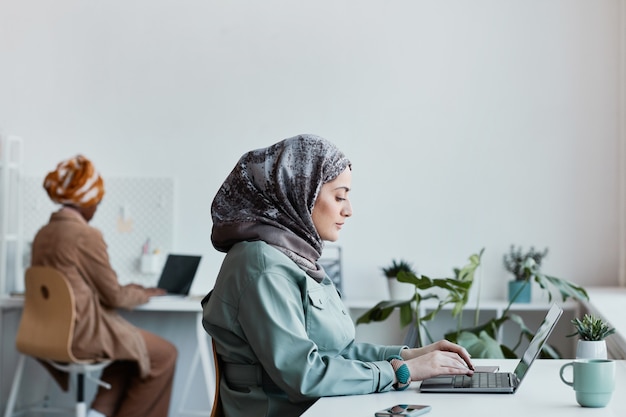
{"type": "Point", "coordinates": [270, 194]}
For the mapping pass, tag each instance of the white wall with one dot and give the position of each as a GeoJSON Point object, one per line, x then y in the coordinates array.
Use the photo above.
{"type": "Point", "coordinates": [469, 124]}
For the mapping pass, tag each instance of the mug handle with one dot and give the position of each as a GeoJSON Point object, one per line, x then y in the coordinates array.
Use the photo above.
{"type": "Point", "coordinates": [571, 384]}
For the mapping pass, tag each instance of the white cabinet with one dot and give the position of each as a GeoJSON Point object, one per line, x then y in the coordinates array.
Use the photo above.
{"type": "Point", "coordinates": [10, 215]}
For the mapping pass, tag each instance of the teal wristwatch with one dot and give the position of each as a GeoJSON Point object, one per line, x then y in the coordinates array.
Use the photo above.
{"type": "Point", "coordinates": [402, 372]}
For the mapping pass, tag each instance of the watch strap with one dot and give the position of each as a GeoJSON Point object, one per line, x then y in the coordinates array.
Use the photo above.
{"type": "Point", "coordinates": [402, 372]}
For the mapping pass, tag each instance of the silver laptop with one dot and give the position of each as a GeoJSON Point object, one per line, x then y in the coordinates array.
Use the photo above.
{"type": "Point", "coordinates": [178, 274]}
{"type": "Point", "coordinates": [497, 382]}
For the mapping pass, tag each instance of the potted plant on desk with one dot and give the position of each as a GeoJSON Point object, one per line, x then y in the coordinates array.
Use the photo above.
{"type": "Point", "coordinates": [443, 291]}
{"type": "Point", "coordinates": [525, 268]}
{"type": "Point", "coordinates": [591, 332]}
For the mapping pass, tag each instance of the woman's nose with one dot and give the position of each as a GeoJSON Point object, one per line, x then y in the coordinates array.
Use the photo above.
{"type": "Point", "coordinates": [347, 209]}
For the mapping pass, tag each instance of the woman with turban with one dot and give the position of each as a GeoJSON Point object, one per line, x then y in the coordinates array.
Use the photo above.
{"type": "Point", "coordinates": [281, 331]}
{"type": "Point", "coordinates": [142, 373]}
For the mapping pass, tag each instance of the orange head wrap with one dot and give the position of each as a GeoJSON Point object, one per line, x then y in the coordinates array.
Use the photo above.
{"type": "Point", "coordinates": [75, 182]}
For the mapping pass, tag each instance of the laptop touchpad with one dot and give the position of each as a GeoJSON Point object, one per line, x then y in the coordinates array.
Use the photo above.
{"type": "Point", "coordinates": [441, 380]}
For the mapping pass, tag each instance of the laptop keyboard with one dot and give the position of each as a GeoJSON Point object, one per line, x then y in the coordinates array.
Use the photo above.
{"type": "Point", "coordinates": [482, 380]}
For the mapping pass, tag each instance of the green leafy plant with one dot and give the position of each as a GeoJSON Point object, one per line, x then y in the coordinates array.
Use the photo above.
{"type": "Point", "coordinates": [455, 291]}
{"type": "Point", "coordinates": [523, 265]}
{"type": "Point", "coordinates": [526, 266]}
{"type": "Point", "coordinates": [591, 328]}
{"type": "Point", "coordinates": [481, 340]}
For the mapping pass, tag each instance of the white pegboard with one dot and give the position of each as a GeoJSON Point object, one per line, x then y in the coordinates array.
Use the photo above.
{"type": "Point", "coordinates": [132, 211]}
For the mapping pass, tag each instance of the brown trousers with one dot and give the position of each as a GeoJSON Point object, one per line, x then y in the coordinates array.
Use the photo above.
{"type": "Point", "coordinates": [131, 396]}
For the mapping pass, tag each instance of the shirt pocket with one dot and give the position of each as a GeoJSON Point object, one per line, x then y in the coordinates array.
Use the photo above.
{"type": "Point", "coordinates": [327, 324]}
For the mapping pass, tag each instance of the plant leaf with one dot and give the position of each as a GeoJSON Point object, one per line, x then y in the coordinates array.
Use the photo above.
{"type": "Point", "coordinates": [490, 327]}
{"type": "Point", "coordinates": [381, 311]}
{"type": "Point", "coordinates": [406, 315]}
{"type": "Point", "coordinates": [565, 288]}
{"type": "Point", "coordinates": [481, 346]}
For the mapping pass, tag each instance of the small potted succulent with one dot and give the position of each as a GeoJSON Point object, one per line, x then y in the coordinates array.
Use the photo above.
{"type": "Point", "coordinates": [398, 290]}
{"type": "Point", "coordinates": [591, 332]}
{"type": "Point", "coordinates": [524, 266]}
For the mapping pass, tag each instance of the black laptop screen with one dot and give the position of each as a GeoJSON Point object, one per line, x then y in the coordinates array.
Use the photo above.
{"type": "Point", "coordinates": [178, 273]}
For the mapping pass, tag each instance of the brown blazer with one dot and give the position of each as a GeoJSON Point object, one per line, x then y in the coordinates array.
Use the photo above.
{"type": "Point", "coordinates": [78, 250]}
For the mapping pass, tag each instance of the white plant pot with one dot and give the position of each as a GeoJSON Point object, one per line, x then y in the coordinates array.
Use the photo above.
{"type": "Point", "coordinates": [591, 349]}
{"type": "Point", "coordinates": [400, 290]}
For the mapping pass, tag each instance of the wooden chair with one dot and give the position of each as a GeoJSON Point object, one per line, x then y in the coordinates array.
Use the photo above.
{"type": "Point", "coordinates": [45, 333]}
{"type": "Point", "coordinates": [217, 410]}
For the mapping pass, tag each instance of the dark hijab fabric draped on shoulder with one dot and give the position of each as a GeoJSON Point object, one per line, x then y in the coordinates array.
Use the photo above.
{"type": "Point", "coordinates": [270, 194]}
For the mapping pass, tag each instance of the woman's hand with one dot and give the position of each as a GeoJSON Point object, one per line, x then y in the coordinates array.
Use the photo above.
{"type": "Point", "coordinates": [148, 292]}
{"type": "Point", "coordinates": [153, 291]}
{"type": "Point", "coordinates": [440, 358]}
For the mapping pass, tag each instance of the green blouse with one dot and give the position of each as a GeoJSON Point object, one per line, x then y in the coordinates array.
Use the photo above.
{"type": "Point", "coordinates": [266, 311]}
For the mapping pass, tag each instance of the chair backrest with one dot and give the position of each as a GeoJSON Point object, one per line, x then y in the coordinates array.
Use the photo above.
{"type": "Point", "coordinates": [47, 324]}
{"type": "Point", "coordinates": [217, 410]}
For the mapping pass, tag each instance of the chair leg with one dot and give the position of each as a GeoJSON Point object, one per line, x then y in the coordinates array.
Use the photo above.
{"type": "Point", "coordinates": [17, 379]}
{"type": "Point", "coordinates": [81, 406]}
{"type": "Point", "coordinates": [81, 409]}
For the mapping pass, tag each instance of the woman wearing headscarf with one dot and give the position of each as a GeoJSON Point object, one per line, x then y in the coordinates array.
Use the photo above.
{"type": "Point", "coordinates": [282, 333]}
{"type": "Point", "coordinates": [142, 373]}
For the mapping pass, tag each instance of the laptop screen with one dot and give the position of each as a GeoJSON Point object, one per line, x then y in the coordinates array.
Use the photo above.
{"type": "Point", "coordinates": [538, 341]}
{"type": "Point", "coordinates": [178, 273]}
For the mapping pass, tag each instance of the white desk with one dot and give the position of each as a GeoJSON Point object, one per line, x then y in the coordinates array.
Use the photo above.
{"type": "Point", "coordinates": [173, 319]}
{"type": "Point", "coordinates": [541, 394]}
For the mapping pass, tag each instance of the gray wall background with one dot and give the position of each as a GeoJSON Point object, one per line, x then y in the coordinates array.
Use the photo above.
{"type": "Point", "coordinates": [469, 124]}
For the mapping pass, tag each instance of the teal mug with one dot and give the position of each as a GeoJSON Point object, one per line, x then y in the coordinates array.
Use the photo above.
{"type": "Point", "coordinates": [594, 381]}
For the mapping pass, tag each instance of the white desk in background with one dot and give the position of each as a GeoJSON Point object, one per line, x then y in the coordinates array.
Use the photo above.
{"type": "Point", "coordinates": [172, 318]}
{"type": "Point", "coordinates": [542, 394]}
